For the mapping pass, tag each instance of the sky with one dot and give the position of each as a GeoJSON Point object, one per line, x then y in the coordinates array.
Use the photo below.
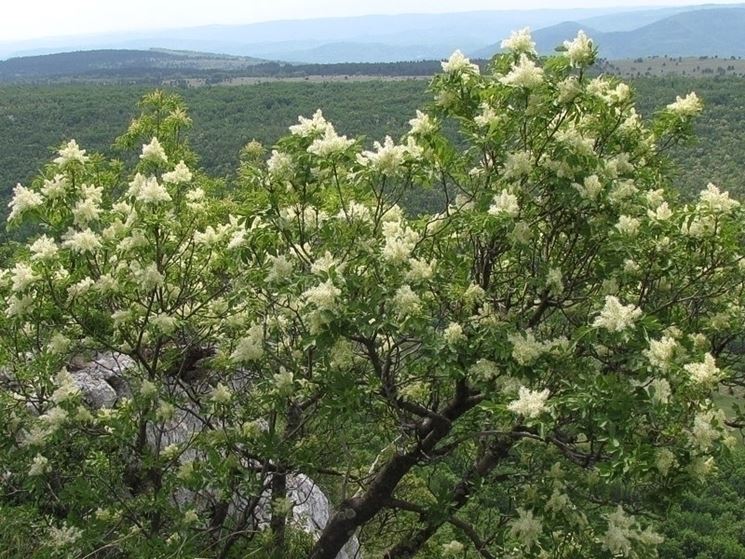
{"type": "Point", "coordinates": [31, 19]}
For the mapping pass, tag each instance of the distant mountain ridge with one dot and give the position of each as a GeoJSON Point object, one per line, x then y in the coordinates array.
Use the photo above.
{"type": "Point", "coordinates": [116, 62]}
{"type": "Point", "coordinates": [706, 29]}
{"type": "Point", "coordinates": [704, 32]}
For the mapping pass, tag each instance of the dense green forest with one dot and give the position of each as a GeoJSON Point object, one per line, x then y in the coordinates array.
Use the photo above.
{"type": "Point", "coordinates": [35, 119]}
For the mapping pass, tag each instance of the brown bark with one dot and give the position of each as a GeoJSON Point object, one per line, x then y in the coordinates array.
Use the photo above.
{"type": "Point", "coordinates": [360, 509]}
{"type": "Point", "coordinates": [410, 545]}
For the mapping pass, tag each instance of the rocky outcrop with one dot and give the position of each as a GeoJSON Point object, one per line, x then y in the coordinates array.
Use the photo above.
{"type": "Point", "coordinates": [102, 382]}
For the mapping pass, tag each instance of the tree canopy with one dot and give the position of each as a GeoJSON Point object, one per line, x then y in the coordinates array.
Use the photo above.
{"type": "Point", "coordinates": [528, 373]}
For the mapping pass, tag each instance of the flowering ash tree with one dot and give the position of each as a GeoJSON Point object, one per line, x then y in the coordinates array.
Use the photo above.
{"type": "Point", "coordinates": [527, 374]}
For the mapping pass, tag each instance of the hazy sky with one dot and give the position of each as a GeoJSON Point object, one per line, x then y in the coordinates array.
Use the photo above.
{"type": "Point", "coordinates": [26, 19]}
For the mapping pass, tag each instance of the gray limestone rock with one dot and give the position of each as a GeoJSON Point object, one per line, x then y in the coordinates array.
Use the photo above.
{"type": "Point", "coordinates": [102, 383]}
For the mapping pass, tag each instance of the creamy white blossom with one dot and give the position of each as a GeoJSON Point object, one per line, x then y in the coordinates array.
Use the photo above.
{"type": "Point", "coordinates": [616, 317]}
{"type": "Point", "coordinates": [458, 63]}
{"type": "Point", "coordinates": [525, 348]}
{"type": "Point", "coordinates": [22, 276]}
{"type": "Point", "coordinates": [687, 106]}
{"type": "Point", "coordinates": [399, 241]}
{"type": "Point", "coordinates": [661, 213]}
{"type": "Point", "coordinates": [705, 372]}
{"type": "Point", "coordinates": [152, 192]}
{"type": "Point", "coordinates": [64, 536]}
{"type": "Point", "coordinates": [523, 74]}
{"type": "Point", "coordinates": [661, 352]}
{"type": "Point", "coordinates": [279, 164]}
{"type": "Point", "coordinates": [280, 268]}
{"type": "Point", "coordinates": [590, 188]}
{"type": "Point", "coordinates": [24, 199]}
{"type": "Point", "coordinates": [661, 390]}
{"type": "Point", "coordinates": [504, 203]}
{"type": "Point", "coordinates": [579, 50]}
{"type": "Point", "coordinates": [453, 334]}
{"type": "Point", "coordinates": [518, 164]}
{"type": "Point", "coordinates": [39, 466]}
{"type": "Point", "coordinates": [154, 152]}
{"type": "Point", "coordinates": [81, 241]}
{"type": "Point", "coordinates": [221, 394]}
{"type": "Point", "coordinates": [420, 270]}
{"type": "Point", "coordinates": [422, 124]}
{"type": "Point", "coordinates": [527, 528]}
{"type": "Point", "coordinates": [329, 143]}
{"type": "Point", "coordinates": [452, 548]}
{"type": "Point", "coordinates": [310, 126]}
{"type": "Point", "coordinates": [250, 347]}
{"type": "Point", "coordinates": [520, 42]}
{"type": "Point", "coordinates": [179, 175]}
{"type": "Point", "coordinates": [55, 187]}
{"type": "Point", "coordinates": [323, 296]}
{"type": "Point", "coordinates": [386, 158]}
{"type": "Point", "coordinates": [716, 201]}
{"type": "Point", "coordinates": [406, 302]}
{"type": "Point", "coordinates": [530, 403]}
{"type": "Point", "coordinates": [628, 225]}
{"type": "Point", "coordinates": [71, 152]}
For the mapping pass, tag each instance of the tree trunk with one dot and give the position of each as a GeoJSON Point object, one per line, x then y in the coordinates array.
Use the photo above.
{"type": "Point", "coordinates": [357, 511]}
{"type": "Point", "coordinates": [410, 545]}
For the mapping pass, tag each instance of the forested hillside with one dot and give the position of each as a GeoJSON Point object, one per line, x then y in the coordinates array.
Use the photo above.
{"type": "Point", "coordinates": [35, 119]}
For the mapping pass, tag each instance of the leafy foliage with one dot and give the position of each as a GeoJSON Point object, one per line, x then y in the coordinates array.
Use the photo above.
{"type": "Point", "coordinates": [530, 371]}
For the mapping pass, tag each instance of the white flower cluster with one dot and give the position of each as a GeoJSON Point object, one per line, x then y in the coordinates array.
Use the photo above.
{"type": "Point", "coordinates": [518, 164]}
{"type": "Point", "coordinates": [400, 241]}
{"type": "Point", "coordinates": [406, 302]}
{"type": "Point", "coordinates": [707, 429]}
{"type": "Point", "coordinates": [661, 213]}
{"type": "Point", "coordinates": [81, 241]}
{"type": "Point", "coordinates": [488, 116]}
{"type": "Point", "coordinates": [524, 73]}
{"type": "Point", "coordinates": [590, 188]}
{"type": "Point", "coordinates": [628, 225]}
{"type": "Point", "coordinates": [279, 164]}
{"type": "Point", "coordinates": [660, 353]}
{"type": "Point", "coordinates": [323, 296]}
{"type": "Point", "coordinates": [55, 187]}
{"type": "Point", "coordinates": [422, 124]}
{"type": "Point", "coordinates": [520, 42]}
{"type": "Point", "coordinates": [24, 199]}
{"type": "Point", "coordinates": [504, 203]}
{"type": "Point", "coordinates": [180, 174]}
{"type": "Point", "coordinates": [687, 106]}
{"type": "Point", "coordinates": [43, 249]}
{"type": "Point", "coordinates": [147, 190]}
{"type": "Point", "coordinates": [716, 201]}
{"type": "Point", "coordinates": [388, 158]}
{"type": "Point", "coordinates": [530, 403]}
{"type": "Point", "coordinates": [330, 143]}
{"type": "Point", "coordinates": [453, 334]}
{"type": "Point", "coordinates": [153, 152]}
{"type": "Point", "coordinates": [616, 317]}
{"type": "Point", "coordinates": [452, 549]}
{"type": "Point", "coordinates": [579, 50]}
{"type": "Point", "coordinates": [526, 528]}
{"type": "Point", "coordinates": [70, 153]}
{"type": "Point", "coordinates": [623, 531]}
{"type": "Point", "coordinates": [310, 126]}
{"type": "Point", "coordinates": [705, 372]}
{"type": "Point", "coordinates": [458, 63]}
{"type": "Point", "coordinates": [526, 349]}
{"type": "Point", "coordinates": [251, 346]}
